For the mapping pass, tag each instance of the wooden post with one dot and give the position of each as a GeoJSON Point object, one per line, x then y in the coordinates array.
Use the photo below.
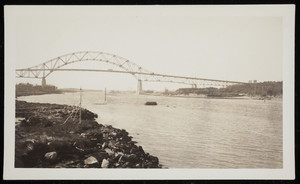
{"type": "Point", "coordinates": [104, 94]}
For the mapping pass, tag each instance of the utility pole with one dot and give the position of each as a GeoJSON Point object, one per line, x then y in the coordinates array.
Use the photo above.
{"type": "Point", "coordinates": [80, 108]}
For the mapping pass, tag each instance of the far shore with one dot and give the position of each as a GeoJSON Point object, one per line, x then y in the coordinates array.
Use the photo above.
{"type": "Point", "coordinates": [113, 92]}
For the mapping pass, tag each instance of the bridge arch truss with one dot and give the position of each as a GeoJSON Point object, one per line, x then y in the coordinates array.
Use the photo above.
{"type": "Point", "coordinates": [43, 70]}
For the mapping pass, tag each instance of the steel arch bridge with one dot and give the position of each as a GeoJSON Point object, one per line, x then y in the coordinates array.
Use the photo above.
{"type": "Point", "coordinates": [43, 70]}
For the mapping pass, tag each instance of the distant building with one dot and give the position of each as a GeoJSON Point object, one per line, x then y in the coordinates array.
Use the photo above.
{"type": "Point", "coordinates": [254, 81]}
{"type": "Point", "coordinates": [250, 81]}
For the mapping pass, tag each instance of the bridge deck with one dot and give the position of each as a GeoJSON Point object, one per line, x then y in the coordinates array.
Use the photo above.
{"type": "Point", "coordinates": [133, 73]}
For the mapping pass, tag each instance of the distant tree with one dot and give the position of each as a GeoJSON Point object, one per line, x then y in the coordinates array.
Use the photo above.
{"type": "Point", "coordinates": [29, 89]}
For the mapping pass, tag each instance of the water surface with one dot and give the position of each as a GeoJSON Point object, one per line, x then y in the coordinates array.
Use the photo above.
{"type": "Point", "coordinates": [191, 132]}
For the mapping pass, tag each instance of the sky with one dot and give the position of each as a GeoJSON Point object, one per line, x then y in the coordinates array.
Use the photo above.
{"type": "Point", "coordinates": [176, 41]}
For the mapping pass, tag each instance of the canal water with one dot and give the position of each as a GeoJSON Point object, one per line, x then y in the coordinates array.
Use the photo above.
{"type": "Point", "coordinates": [191, 132]}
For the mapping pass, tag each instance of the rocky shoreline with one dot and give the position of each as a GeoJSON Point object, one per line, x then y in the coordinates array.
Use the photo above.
{"type": "Point", "coordinates": [44, 139]}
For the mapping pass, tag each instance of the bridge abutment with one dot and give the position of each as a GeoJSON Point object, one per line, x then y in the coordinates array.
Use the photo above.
{"type": "Point", "coordinates": [139, 87]}
{"type": "Point", "coordinates": [44, 82]}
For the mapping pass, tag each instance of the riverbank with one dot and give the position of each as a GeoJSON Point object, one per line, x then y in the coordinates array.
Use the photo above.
{"type": "Point", "coordinates": [44, 139]}
{"type": "Point", "coordinates": [36, 93]}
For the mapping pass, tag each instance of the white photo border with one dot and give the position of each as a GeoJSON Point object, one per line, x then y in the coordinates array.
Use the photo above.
{"type": "Point", "coordinates": [287, 12]}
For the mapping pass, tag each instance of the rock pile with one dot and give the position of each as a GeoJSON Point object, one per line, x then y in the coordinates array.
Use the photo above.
{"type": "Point", "coordinates": [44, 140]}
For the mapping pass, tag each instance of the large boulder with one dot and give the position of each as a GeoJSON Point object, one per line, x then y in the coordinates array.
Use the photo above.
{"type": "Point", "coordinates": [100, 155]}
{"type": "Point", "coordinates": [51, 155]}
{"type": "Point", "coordinates": [109, 152]}
{"type": "Point", "coordinates": [105, 163]}
{"type": "Point", "coordinates": [91, 161]}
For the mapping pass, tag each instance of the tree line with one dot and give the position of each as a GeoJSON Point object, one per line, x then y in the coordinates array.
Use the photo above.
{"type": "Point", "coordinates": [268, 88]}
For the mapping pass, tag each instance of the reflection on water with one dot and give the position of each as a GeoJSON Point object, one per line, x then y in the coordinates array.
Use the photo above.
{"type": "Point", "coordinates": [192, 132]}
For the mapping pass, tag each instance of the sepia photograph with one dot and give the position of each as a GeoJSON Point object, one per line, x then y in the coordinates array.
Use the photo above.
{"type": "Point", "coordinates": [188, 91]}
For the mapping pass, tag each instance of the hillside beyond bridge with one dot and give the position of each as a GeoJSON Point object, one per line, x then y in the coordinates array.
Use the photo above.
{"type": "Point", "coordinates": [43, 70]}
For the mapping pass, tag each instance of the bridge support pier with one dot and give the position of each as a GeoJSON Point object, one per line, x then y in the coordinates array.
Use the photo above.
{"type": "Point", "coordinates": [44, 82]}
{"type": "Point", "coordinates": [139, 87]}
